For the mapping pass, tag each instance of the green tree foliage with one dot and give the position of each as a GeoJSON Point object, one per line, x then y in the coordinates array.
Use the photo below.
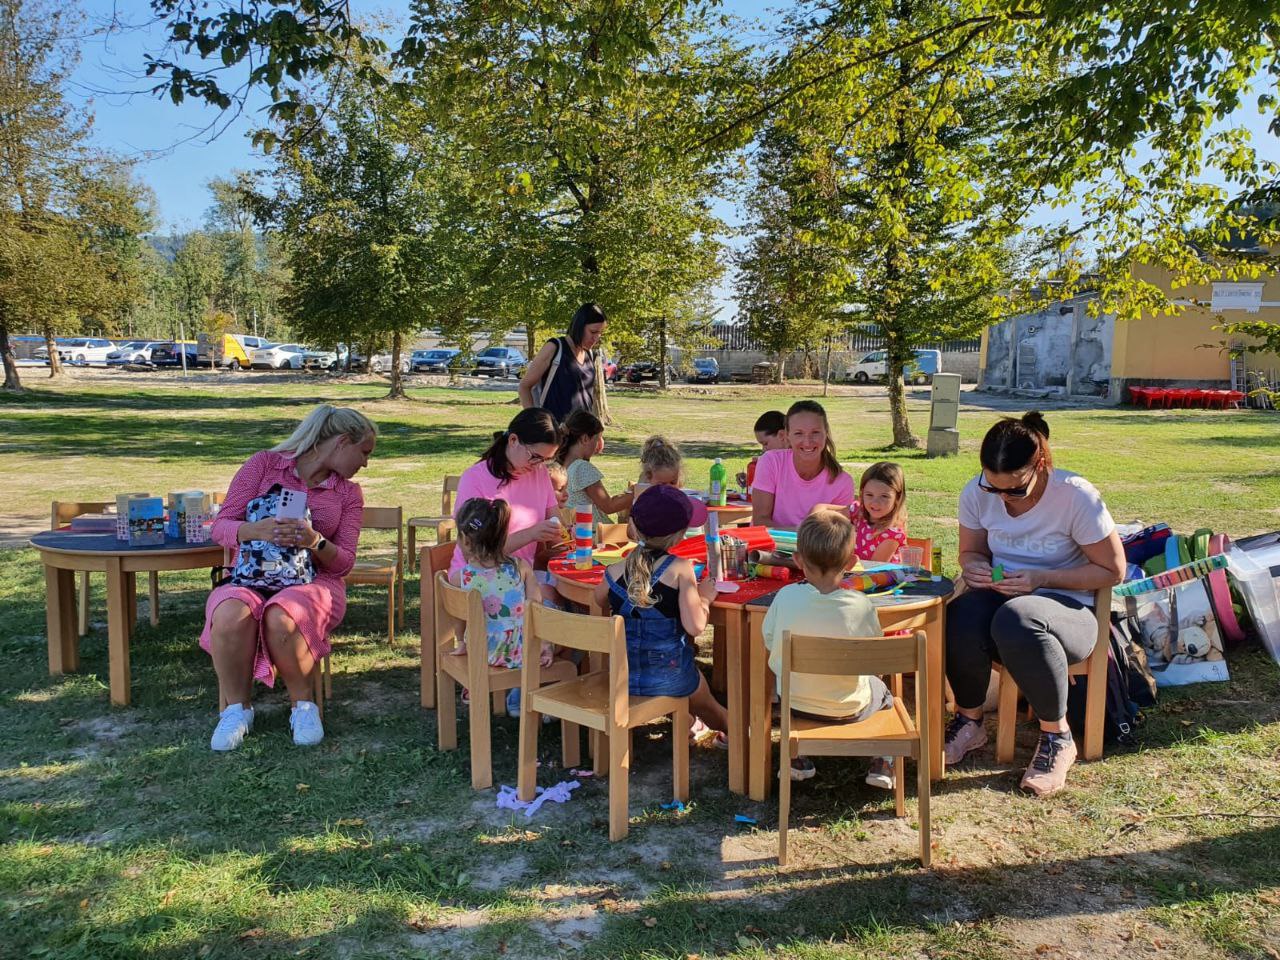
{"type": "Point", "coordinates": [69, 216]}
{"type": "Point", "coordinates": [895, 183]}
{"type": "Point", "coordinates": [579, 123]}
{"type": "Point", "coordinates": [377, 228]}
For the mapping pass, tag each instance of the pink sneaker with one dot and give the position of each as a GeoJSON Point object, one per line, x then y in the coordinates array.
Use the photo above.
{"type": "Point", "coordinates": [1048, 771]}
{"type": "Point", "coordinates": [963, 736]}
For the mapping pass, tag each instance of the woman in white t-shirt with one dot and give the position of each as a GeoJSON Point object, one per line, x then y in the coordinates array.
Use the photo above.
{"type": "Point", "coordinates": [1035, 543]}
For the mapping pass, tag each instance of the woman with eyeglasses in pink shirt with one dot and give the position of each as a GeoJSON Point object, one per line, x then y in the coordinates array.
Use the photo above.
{"type": "Point", "coordinates": [513, 468]}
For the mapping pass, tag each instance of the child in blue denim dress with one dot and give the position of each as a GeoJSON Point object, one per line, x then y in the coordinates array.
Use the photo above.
{"type": "Point", "coordinates": [505, 584]}
{"type": "Point", "coordinates": [663, 604]}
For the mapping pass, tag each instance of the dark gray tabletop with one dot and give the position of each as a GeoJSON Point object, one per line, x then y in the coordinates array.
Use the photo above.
{"type": "Point", "coordinates": [908, 593]}
{"type": "Point", "coordinates": [107, 543]}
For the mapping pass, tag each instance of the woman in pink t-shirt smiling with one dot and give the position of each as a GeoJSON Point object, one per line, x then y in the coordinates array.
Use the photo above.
{"type": "Point", "coordinates": [790, 483]}
{"type": "Point", "coordinates": [514, 468]}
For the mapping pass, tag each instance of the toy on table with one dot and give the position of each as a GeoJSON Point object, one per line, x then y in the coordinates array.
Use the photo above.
{"type": "Point", "coordinates": [712, 538]}
{"type": "Point", "coordinates": [719, 489]}
{"type": "Point", "coordinates": [146, 521]}
{"type": "Point", "coordinates": [583, 539]}
{"type": "Point", "coordinates": [773, 571]}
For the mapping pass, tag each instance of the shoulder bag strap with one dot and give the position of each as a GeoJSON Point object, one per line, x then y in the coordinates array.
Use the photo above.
{"type": "Point", "coordinates": [550, 375]}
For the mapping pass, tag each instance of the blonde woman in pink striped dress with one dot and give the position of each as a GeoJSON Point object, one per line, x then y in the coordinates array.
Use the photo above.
{"type": "Point", "coordinates": [252, 633]}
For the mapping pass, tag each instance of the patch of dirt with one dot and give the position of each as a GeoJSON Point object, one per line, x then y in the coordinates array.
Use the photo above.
{"type": "Point", "coordinates": [16, 529]}
{"type": "Point", "coordinates": [500, 874]}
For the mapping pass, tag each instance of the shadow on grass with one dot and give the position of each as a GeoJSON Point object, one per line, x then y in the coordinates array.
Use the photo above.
{"type": "Point", "coordinates": [171, 437]}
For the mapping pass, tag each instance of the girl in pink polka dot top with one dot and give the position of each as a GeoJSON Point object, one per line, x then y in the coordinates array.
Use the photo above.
{"type": "Point", "coordinates": [880, 514]}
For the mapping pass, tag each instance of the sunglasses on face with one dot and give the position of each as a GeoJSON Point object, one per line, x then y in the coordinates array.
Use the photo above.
{"type": "Point", "coordinates": [1013, 493]}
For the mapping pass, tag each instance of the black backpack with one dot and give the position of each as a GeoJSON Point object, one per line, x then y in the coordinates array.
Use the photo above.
{"type": "Point", "coordinates": [1130, 688]}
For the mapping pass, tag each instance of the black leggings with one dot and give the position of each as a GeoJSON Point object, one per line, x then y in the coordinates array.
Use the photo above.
{"type": "Point", "coordinates": [1034, 637]}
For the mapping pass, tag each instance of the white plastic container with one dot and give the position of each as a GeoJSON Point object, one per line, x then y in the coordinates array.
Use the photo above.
{"type": "Point", "coordinates": [1256, 571]}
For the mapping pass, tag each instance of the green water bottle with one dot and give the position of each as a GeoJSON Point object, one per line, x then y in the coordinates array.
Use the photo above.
{"type": "Point", "coordinates": [719, 486]}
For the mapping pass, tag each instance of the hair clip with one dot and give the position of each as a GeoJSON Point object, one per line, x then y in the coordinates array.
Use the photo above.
{"type": "Point", "coordinates": [475, 523]}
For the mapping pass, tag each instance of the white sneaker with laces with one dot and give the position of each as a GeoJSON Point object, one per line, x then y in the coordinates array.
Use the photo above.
{"type": "Point", "coordinates": [305, 723]}
{"type": "Point", "coordinates": [881, 773]}
{"type": "Point", "coordinates": [233, 723]}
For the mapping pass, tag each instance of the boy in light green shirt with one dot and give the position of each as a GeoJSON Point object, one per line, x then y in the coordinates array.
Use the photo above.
{"type": "Point", "coordinates": [822, 608]}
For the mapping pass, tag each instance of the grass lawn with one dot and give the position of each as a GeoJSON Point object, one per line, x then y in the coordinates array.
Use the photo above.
{"type": "Point", "coordinates": [123, 836]}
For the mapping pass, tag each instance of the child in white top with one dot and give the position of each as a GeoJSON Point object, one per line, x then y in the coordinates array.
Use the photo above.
{"type": "Point", "coordinates": [821, 607]}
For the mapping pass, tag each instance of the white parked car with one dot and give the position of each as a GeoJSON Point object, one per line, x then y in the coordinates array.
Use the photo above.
{"type": "Point", "coordinates": [279, 356]}
{"type": "Point", "coordinates": [873, 367]}
{"type": "Point", "coordinates": [381, 363]}
{"type": "Point", "coordinates": [132, 351]}
{"type": "Point", "coordinates": [86, 350]}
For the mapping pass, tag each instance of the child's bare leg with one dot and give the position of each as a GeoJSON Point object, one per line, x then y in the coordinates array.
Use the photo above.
{"type": "Point", "coordinates": [705, 706]}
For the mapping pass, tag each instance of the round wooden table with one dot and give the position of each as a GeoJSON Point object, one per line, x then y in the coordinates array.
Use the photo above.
{"type": "Point", "coordinates": [64, 553]}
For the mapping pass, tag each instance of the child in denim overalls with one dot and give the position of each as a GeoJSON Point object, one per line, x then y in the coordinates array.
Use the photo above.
{"type": "Point", "coordinates": [663, 604]}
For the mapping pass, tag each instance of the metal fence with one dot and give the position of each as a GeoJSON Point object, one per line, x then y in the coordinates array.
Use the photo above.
{"type": "Point", "coordinates": [731, 336]}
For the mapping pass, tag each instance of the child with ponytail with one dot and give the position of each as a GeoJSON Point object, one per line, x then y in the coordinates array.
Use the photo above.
{"type": "Point", "coordinates": [663, 604]}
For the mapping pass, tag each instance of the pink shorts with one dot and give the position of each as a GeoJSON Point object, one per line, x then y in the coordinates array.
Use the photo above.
{"type": "Point", "coordinates": [317, 608]}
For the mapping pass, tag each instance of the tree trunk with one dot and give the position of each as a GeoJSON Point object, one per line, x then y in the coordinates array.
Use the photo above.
{"type": "Point", "coordinates": [55, 362]}
{"type": "Point", "coordinates": [894, 362]}
{"type": "Point", "coordinates": [662, 353]}
{"type": "Point", "coordinates": [826, 368]}
{"type": "Point", "coordinates": [530, 341]}
{"type": "Point", "coordinates": [397, 384]}
{"type": "Point", "coordinates": [11, 381]}
{"type": "Point", "coordinates": [600, 399]}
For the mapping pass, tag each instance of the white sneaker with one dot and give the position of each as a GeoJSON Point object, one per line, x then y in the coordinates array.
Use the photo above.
{"type": "Point", "coordinates": [233, 723]}
{"type": "Point", "coordinates": [305, 723]}
{"type": "Point", "coordinates": [881, 773]}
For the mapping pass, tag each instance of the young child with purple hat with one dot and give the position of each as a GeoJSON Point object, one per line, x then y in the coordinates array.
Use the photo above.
{"type": "Point", "coordinates": [663, 604]}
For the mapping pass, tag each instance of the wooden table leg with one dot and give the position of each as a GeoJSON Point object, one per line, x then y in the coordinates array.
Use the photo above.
{"type": "Point", "coordinates": [118, 632]}
{"type": "Point", "coordinates": [935, 634]}
{"type": "Point", "coordinates": [61, 620]}
{"type": "Point", "coordinates": [760, 744]}
{"type": "Point", "coordinates": [153, 594]}
{"type": "Point", "coordinates": [131, 600]}
{"type": "Point", "coordinates": [736, 665]}
{"type": "Point", "coordinates": [412, 536]}
{"type": "Point", "coordinates": [719, 680]}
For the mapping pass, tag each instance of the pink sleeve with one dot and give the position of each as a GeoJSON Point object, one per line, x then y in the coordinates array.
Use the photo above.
{"type": "Point", "coordinates": [245, 485]}
{"type": "Point", "coordinates": [767, 473]}
{"type": "Point", "coordinates": [842, 490]}
{"type": "Point", "coordinates": [470, 486]}
{"type": "Point", "coordinates": [348, 533]}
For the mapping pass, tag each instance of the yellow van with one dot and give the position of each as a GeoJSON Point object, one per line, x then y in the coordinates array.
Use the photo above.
{"type": "Point", "coordinates": [234, 353]}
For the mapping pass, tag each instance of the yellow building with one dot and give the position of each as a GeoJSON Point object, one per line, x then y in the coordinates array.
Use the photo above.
{"type": "Point", "coordinates": [1061, 350]}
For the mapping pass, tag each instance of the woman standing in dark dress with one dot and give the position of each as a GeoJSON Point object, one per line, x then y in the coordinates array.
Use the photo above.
{"type": "Point", "coordinates": [565, 374]}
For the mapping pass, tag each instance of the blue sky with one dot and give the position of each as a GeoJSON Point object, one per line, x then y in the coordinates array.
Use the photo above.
{"type": "Point", "coordinates": [183, 147]}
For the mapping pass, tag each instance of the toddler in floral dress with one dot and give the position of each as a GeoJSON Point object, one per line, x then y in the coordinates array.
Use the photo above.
{"type": "Point", "coordinates": [505, 584]}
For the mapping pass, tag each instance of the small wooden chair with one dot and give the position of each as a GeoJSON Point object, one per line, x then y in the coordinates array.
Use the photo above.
{"type": "Point", "coordinates": [443, 525]}
{"type": "Point", "coordinates": [612, 533]}
{"type": "Point", "coordinates": [458, 610]}
{"type": "Point", "coordinates": [433, 560]}
{"type": "Point", "coordinates": [63, 512]}
{"type": "Point", "coordinates": [385, 571]}
{"type": "Point", "coordinates": [888, 733]}
{"type": "Point", "coordinates": [1093, 668]}
{"type": "Point", "coordinates": [926, 551]}
{"type": "Point", "coordinates": [597, 700]}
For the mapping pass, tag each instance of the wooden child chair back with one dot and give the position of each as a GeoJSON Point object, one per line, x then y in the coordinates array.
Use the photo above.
{"type": "Point", "coordinates": [434, 558]}
{"type": "Point", "coordinates": [926, 551]}
{"type": "Point", "coordinates": [64, 511]}
{"type": "Point", "coordinates": [891, 732]}
{"type": "Point", "coordinates": [448, 493]}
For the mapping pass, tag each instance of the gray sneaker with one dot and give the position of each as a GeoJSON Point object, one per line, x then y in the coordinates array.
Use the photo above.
{"type": "Point", "coordinates": [963, 736]}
